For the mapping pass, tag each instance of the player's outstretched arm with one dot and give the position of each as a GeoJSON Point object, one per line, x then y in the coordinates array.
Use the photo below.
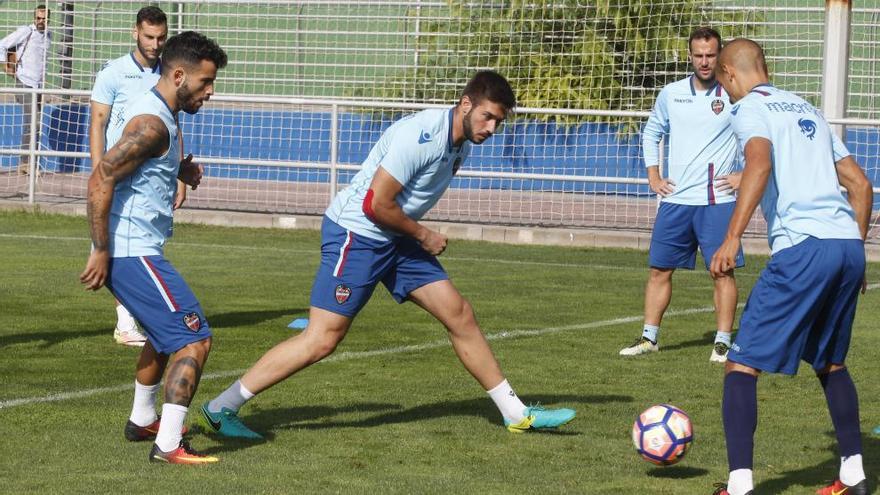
{"type": "Point", "coordinates": [860, 194]}
{"type": "Point", "coordinates": [144, 137]}
{"type": "Point", "coordinates": [859, 191]}
{"type": "Point", "coordinates": [381, 207]}
{"type": "Point", "coordinates": [751, 189]}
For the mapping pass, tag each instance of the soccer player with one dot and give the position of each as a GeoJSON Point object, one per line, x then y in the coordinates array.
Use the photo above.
{"type": "Point", "coordinates": [697, 196]}
{"type": "Point", "coordinates": [118, 82]}
{"type": "Point", "coordinates": [803, 304]}
{"type": "Point", "coordinates": [130, 196]}
{"type": "Point", "coordinates": [371, 233]}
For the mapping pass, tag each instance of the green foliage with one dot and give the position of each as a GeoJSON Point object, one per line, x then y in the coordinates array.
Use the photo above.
{"type": "Point", "coordinates": [599, 55]}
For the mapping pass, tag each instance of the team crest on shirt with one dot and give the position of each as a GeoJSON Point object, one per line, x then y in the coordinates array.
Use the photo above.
{"type": "Point", "coordinates": [342, 294]}
{"type": "Point", "coordinates": [717, 106]}
{"type": "Point", "coordinates": [192, 321]}
{"type": "Point", "coordinates": [456, 165]}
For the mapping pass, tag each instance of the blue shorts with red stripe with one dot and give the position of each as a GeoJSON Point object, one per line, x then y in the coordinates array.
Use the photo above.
{"type": "Point", "coordinates": [352, 265]}
{"type": "Point", "coordinates": [158, 297]}
{"type": "Point", "coordinates": [802, 307]}
{"type": "Point", "coordinates": [680, 229]}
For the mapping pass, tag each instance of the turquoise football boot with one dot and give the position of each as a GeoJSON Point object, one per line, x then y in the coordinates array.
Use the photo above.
{"type": "Point", "coordinates": [538, 418]}
{"type": "Point", "coordinates": [227, 424]}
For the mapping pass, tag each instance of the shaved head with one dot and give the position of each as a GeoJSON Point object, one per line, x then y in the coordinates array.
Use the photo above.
{"type": "Point", "coordinates": [745, 55]}
{"type": "Point", "coordinates": [741, 67]}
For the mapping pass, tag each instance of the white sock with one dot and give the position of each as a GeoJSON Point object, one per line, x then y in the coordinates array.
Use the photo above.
{"type": "Point", "coordinates": [507, 402]}
{"type": "Point", "coordinates": [170, 428]}
{"type": "Point", "coordinates": [650, 332]}
{"type": "Point", "coordinates": [233, 398]}
{"type": "Point", "coordinates": [124, 320]}
{"type": "Point", "coordinates": [851, 470]}
{"type": "Point", "coordinates": [723, 337]}
{"type": "Point", "coordinates": [143, 410]}
{"type": "Point", "coordinates": [739, 482]}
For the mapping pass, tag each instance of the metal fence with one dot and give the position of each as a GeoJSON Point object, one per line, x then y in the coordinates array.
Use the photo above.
{"type": "Point", "coordinates": [345, 69]}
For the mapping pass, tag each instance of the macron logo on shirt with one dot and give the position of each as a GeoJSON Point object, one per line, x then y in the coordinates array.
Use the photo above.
{"type": "Point", "coordinates": [424, 137]}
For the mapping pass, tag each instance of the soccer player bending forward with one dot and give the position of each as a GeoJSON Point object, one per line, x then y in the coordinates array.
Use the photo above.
{"type": "Point", "coordinates": [803, 304]}
{"type": "Point", "coordinates": [371, 234]}
{"type": "Point", "coordinates": [130, 199]}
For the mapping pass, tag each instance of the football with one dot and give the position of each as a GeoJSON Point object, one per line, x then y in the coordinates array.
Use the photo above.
{"type": "Point", "coordinates": [662, 434]}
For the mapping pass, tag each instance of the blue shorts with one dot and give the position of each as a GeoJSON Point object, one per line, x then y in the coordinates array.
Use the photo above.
{"type": "Point", "coordinates": [352, 265]}
{"type": "Point", "coordinates": [680, 229]}
{"type": "Point", "coordinates": [158, 297]}
{"type": "Point", "coordinates": [802, 307]}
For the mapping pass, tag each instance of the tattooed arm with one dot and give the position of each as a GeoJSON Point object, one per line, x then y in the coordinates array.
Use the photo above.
{"type": "Point", "coordinates": [144, 137]}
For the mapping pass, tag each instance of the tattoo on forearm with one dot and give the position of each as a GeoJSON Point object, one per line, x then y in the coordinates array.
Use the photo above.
{"type": "Point", "coordinates": [182, 380]}
{"type": "Point", "coordinates": [144, 137]}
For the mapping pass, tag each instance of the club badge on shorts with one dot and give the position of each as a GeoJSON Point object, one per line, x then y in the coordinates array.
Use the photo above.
{"type": "Point", "coordinates": [342, 293]}
{"type": "Point", "coordinates": [717, 106]}
{"type": "Point", "coordinates": [192, 321]}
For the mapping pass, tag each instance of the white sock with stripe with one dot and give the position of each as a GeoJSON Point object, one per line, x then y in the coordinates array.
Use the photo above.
{"type": "Point", "coordinates": [143, 410]}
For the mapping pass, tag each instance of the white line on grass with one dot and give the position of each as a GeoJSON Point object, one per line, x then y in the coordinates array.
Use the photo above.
{"type": "Point", "coordinates": [345, 356]}
{"type": "Point", "coordinates": [348, 356]}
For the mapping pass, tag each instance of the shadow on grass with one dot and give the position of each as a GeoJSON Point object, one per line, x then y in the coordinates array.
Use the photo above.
{"type": "Point", "coordinates": [245, 318]}
{"type": "Point", "coordinates": [49, 339]}
{"type": "Point", "coordinates": [224, 320]}
{"type": "Point", "coordinates": [321, 417]}
{"type": "Point", "coordinates": [824, 473]}
{"type": "Point", "coordinates": [677, 472]}
{"type": "Point", "coordinates": [706, 340]}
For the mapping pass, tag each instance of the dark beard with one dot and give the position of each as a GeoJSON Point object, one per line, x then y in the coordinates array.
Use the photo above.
{"type": "Point", "coordinates": [468, 127]}
{"type": "Point", "coordinates": [184, 95]}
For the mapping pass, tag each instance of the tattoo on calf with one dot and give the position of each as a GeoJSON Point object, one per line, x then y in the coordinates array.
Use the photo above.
{"type": "Point", "coordinates": [182, 380]}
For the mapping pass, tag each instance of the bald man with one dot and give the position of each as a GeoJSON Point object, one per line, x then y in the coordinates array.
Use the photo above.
{"type": "Point", "coordinates": [803, 304]}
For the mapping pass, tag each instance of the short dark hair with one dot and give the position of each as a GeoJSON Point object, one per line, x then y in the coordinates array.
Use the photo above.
{"type": "Point", "coordinates": [490, 85]}
{"type": "Point", "coordinates": [190, 48]}
{"type": "Point", "coordinates": [42, 7]}
{"type": "Point", "coordinates": [704, 33]}
{"type": "Point", "coordinates": [151, 15]}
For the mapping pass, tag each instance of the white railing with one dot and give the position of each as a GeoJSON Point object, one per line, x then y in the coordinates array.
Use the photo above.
{"type": "Point", "coordinates": [506, 205]}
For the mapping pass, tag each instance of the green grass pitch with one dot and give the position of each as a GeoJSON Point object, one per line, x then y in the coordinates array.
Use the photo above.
{"type": "Point", "coordinates": [406, 419]}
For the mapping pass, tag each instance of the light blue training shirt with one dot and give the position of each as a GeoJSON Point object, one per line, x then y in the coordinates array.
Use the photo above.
{"type": "Point", "coordinates": [120, 81]}
{"type": "Point", "coordinates": [803, 196]}
{"type": "Point", "coordinates": [141, 214]}
{"type": "Point", "coordinates": [702, 147]}
{"type": "Point", "coordinates": [418, 152]}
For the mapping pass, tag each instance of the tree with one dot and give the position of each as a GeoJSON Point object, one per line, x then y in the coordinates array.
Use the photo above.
{"type": "Point", "coordinates": [599, 55]}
